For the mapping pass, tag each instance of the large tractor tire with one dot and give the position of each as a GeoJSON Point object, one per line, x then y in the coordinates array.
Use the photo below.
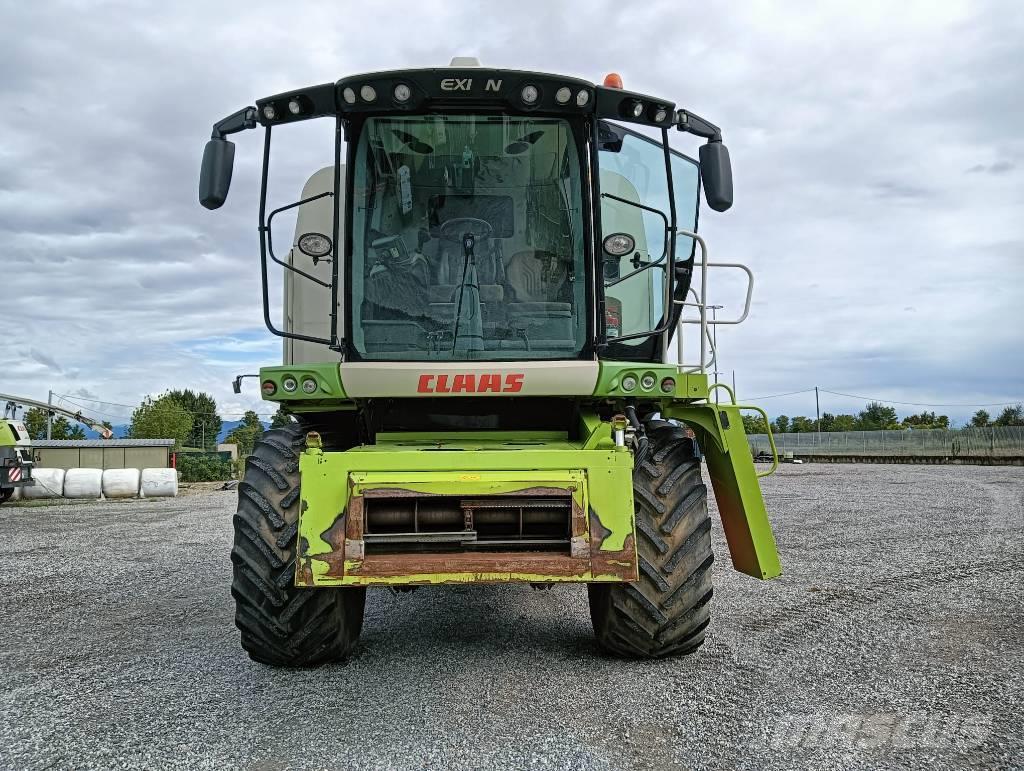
{"type": "Point", "coordinates": [666, 612]}
{"type": "Point", "coordinates": [281, 624]}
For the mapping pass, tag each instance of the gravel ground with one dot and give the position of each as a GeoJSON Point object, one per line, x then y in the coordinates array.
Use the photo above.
{"type": "Point", "coordinates": [892, 640]}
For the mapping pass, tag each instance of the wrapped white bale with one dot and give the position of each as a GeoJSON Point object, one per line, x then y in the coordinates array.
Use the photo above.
{"type": "Point", "coordinates": [121, 482]}
{"type": "Point", "coordinates": [83, 483]}
{"type": "Point", "coordinates": [49, 483]}
{"type": "Point", "coordinates": [16, 494]}
{"type": "Point", "coordinates": [159, 483]}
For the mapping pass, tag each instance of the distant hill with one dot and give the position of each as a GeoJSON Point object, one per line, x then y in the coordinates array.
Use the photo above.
{"type": "Point", "coordinates": [230, 425]}
{"type": "Point", "coordinates": [226, 428]}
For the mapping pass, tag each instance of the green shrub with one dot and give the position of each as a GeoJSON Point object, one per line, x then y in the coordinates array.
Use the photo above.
{"type": "Point", "coordinates": [204, 467]}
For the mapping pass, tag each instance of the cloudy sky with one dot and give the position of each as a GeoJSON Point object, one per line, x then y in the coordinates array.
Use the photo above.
{"type": "Point", "coordinates": [878, 154]}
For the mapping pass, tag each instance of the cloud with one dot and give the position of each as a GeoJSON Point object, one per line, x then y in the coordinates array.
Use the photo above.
{"type": "Point", "coordinates": [999, 167]}
{"type": "Point", "coordinates": [850, 128]}
{"type": "Point", "coordinates": [46, 361]}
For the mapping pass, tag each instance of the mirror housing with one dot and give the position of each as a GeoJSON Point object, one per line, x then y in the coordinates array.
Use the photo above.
{"type": "Point", "coordinates": [236, 384]}
{"type": "Point", "coordinates": [215, 174]}
{"type": "Point", "coordinates": [716, 173]}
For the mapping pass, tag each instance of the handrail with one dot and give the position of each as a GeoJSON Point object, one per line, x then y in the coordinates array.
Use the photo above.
{"type": "Point", "coordinates": [702, 307]}
{"type": "Point", "coordinates": [270, 238]}
{"type": "Point", "coordinates": [747, 299]}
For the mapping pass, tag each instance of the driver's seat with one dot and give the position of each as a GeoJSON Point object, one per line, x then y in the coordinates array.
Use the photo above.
{"type": "Point", "coordinates": [447, 264]}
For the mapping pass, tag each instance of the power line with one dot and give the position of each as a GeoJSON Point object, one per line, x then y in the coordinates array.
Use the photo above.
{"type": "Point", "coordinates": [916, 404]}
{"type": "Point", "coordinates": [120, 416]}
{"type": "Point", "coordinates": [776, 395]}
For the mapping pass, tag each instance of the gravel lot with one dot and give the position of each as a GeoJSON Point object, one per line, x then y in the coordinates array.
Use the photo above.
{"type": "Point", "coordinates": [893, 639]}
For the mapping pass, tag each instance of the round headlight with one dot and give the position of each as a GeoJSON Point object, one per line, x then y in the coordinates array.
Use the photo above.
{"type": "Point", "coordinates": [308, 385]}
{"type": "Point", "coordinates": [638, 109]}
{"type": "Point", "coordinates": [629, 382]}
{"type": "Point", "coordinates": [668, 385]}
{"type": "Point", "coordinates": [402, 92]}
{"type": "Point", "coordinates": [660, 115]}
{"type": "Point", "coordinates": [618, 244]}
{"type": "Point", "coordinates": [369, 93]}
{"type": "Point", "coordinates": [289, 384]}
{"type": "Point", "coordinates": [294, 107]}
{"type": "Point", "coordinates": [648, 381]}
{"type": "Point", "coordinates": [268, 388]}
{"type": "Point", "coordinates": [349, 96]}
{"type": "Point", "coordinates": [530, 94]}
{"type": "Point", "coordinates": [563, 95]}
{"type": "Point", "coordinates": [269, 112]}
{"type": "Point", "coordinates": [582, 98]}
{"type": "Point", "coordinates": [315, 244]}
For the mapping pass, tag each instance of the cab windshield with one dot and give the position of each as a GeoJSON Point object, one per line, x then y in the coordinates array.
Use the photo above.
{"type": "Point", "coordinates": [467, 239]}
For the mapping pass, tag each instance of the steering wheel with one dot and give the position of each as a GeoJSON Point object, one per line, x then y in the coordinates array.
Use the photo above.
{"type": "Point", "coordinates": [454, 229]}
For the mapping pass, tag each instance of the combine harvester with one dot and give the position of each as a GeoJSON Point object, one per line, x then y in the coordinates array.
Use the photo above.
{"type": "Point", "coordinates": [16, 461]}
{"type": "Point", "coordinates": [479, 304]}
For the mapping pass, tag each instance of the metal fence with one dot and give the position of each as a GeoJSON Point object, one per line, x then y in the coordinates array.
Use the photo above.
{"type": "Point", "coordinates": [964, 442]}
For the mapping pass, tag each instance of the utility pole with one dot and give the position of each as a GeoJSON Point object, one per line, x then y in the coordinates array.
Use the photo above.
{"type": "Point", "coordinates": [817, 413]}
{"type": "Point", "coordinates": [49, 416]}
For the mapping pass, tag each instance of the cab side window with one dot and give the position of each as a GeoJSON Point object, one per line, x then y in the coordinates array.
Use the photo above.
{"type": "Point", "coordinates": [633, 183]}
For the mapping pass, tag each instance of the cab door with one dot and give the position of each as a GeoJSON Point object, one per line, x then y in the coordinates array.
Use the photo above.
{"type": "Point", "coordinates": [635, 194]}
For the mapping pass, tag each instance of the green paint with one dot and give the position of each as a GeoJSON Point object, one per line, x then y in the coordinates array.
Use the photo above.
{"type": "Point", "coordinates": [719, 430]}
{"type": "Point", "coordinates": [599, 480]}
{"type": "Point", "coordinates": [329, 393]}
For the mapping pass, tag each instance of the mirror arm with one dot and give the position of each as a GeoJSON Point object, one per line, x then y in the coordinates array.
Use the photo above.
{"type": "Point", "coordinates": [694, 124]}
{"type": "Point", "coordinates": [239, 121]}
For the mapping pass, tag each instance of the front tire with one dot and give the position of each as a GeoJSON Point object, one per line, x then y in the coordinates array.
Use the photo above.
{"type": "Point", "coordinates": [666, 612]}
{"type": "Point", "coordinates": [281, 624]}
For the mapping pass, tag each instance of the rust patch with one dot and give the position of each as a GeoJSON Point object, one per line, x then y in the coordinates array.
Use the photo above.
{"type": "Point", "coordinates": [621, 564]}
{"type": "Point", "coordinates": [354, 529]}
{"type": "Point", "coordinates": [536, 563]}
{"type": "Point", "coordinates": [335, 537]}
{"type": "Point", "coordinates": [303, 564]}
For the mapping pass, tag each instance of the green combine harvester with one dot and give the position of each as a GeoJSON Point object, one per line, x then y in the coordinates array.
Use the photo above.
{"type": "Point", "coordinates": [479, 305]}
{"type": "Point", "coordinates": [15, 458]}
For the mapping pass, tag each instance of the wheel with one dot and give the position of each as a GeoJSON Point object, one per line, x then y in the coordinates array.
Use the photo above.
{"type": "Point", "coordinates": [282, 624]}
{"type": "Point", "coordinates": [6, 493]}
{"type": "Point", "coordinates": [666, 612]}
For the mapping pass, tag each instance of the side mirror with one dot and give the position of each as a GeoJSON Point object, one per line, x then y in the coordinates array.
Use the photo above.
{"type": "Point", "coordinates": [236, 384]}
{"type": "Point", "coordinates": [716, 172]}
{"type": "Point", "coordinates": [215, 174]}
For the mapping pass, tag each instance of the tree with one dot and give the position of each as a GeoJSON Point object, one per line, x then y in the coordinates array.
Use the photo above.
{"type": "Point", "coordinates": [61, 428]}
{"type": "Point", "coordinates": [877, 416]}
{"type": "Point", "coordinates": [802, 425]}
{"type": "Point", "coordinates": [35, 421]}
{"type": "Point", "coordinates": [246, 433]}
{"type": "Point", "coordinates": [162, 418]}
{"type": "Point", "coordinates": [845, 423]}
{"type": "Point", "coordinates": [926, 420]}
{"type": "Point", "coordinates": [282, 418]}
{"type": "Point", "coordinates": [1010, 416]}
{"type": "Point", "coordinates": [206, 423]}
{"type": "Point", "coordinates": [980, 419]}
{"type": "Point", "coordinates": [781, 424]}
{"type": "Point", "coordinates": [754, 424]}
